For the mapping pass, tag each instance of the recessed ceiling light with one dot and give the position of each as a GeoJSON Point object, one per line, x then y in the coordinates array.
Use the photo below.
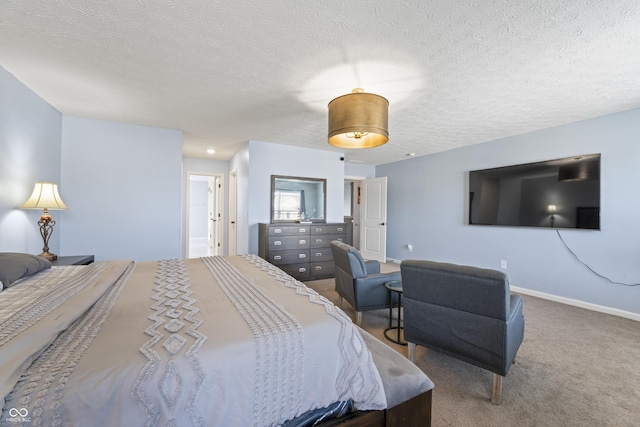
{"type": "Point", "coordinates": [211, 151]}
{"type": "Point", "coordinates": [411, 154]}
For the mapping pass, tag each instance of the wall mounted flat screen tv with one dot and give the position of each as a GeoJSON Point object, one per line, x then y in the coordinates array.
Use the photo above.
{"type": "Point", "coordinates": [560, 193]}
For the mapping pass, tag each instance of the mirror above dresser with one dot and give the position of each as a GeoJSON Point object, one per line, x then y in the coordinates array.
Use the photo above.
{"type": "Point", "coordinates": [298, 199]}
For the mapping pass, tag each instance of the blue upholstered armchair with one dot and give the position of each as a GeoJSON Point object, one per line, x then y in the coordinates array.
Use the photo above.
{"type": "Point", "coordinates": [358, 281]}
{"type": "Point", "coordinates": [464, 312]}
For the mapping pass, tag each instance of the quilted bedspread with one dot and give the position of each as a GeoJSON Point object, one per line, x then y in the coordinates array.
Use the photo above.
{"type": "Point", "coordinates": [218, 341]}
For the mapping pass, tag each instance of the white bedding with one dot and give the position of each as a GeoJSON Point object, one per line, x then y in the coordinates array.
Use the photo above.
{"type": "Point", "coordinates": [213, 341]}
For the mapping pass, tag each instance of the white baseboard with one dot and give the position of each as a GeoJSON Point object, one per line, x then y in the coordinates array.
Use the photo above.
{"type": "Point", "coordinates": [578, 303]}
{"type": "Point", "coordinates": [568, 301]}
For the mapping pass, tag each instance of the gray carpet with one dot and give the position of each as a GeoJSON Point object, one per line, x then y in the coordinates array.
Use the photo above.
{"type": "Point", "coordinates": [575, 368]}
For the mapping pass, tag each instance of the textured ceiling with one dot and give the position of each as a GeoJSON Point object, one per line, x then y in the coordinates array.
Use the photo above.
{"type": "Point", "coordinates": [224, 72]}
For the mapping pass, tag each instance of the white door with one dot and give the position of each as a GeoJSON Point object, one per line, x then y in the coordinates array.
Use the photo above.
{"type": "Point", "coordinates": [373, 219]}
{"type": "Point", "coordinates": [233, 208]}
{"type": "Point", "coordinates": [215, 215]}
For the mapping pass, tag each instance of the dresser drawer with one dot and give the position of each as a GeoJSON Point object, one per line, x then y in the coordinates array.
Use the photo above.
{"type": "Point", "coordinates": [288, 257]}
{"type": "Point", "coordinates": [288, 230]}
{"type": "Point", "coordinates": [299, 271]}
{"type": "Point", "coordinates": [324, 241]}
{"type": "Point", "coordinates": [320, 254]}
{"type": "Point", "coordinates": [329, 229]}
{"type": "Point", "coordinates": [322, 269]}
{"type": "Point", "coordinates": [281, 243]}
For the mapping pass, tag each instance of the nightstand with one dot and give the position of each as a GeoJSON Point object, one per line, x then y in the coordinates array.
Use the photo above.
{"type": "Point", "coordinates": [73, 260]}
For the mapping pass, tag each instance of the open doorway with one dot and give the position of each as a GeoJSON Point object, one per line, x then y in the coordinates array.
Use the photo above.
{"type": "Point", "coordinates": [352, 187]}
{"type": "Point", "coordinates": [365, 208]}
{"type": "Point", "coordinates": [205, 207]}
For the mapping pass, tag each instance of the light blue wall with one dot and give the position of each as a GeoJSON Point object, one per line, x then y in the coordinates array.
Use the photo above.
{"type": "Point", "coordinates": [204, 166]}
{"type": "Point", "coordinates": [427, 207]}
{"type": "Point", "coordinates": [123, 186]}
{"type": "Point", "coordinates": [29, 152]}
{"type": "Point", "coordinates": [275, 159]}
{"type": "Point", "coordinates": [355, 170]}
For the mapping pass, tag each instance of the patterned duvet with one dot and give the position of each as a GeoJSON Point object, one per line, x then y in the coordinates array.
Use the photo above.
{"type": "Point", "coordinates": [219, 341]}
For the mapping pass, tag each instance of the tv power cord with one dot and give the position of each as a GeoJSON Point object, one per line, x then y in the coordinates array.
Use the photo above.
{"type": "Point", "coordinates": [589, 268]}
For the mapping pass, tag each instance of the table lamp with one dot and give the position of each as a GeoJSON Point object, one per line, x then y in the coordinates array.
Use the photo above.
{"type": "Point", "coordinates": [45, 196]}
{"type": "Point", "coordinates": [552, 210]}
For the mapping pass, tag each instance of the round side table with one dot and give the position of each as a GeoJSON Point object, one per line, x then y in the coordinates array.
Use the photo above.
{"type": "Point", "coordinates": [395, 286]}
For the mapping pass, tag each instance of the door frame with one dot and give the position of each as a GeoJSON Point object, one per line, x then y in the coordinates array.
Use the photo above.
{"type": "Point", "coordinates": [221, 207]}
{"type": "Point", "coordinates": [232, 236]}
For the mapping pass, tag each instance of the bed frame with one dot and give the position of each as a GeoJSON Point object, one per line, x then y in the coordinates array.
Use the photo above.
{"type": "Point", "coordinates": [415, 412]}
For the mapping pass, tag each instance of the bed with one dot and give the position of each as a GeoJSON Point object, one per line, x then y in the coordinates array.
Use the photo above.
{"type": "Point", "coordinates": [216, 341]}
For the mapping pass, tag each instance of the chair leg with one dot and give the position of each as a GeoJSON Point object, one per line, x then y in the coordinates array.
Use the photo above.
{"type": "Point", "coordinates": [496, 389]}
{"type": "Point", "coordinates": [411, 352]}
{"type": "Point", "coordinates": [359, 318]}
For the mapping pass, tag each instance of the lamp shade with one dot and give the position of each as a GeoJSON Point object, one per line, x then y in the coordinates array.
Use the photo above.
{"type": "Point", "coordinates": [579, 171]}
{"type": "Point", "coordinates": [45, 196]}
{"type": "Point", "coordinates": [358, 120]}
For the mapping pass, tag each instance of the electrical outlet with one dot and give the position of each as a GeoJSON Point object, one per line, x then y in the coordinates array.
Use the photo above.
{"type": "Point", "coordinates": [503, 264]}
{"type": "Point", "coordinates": [410, 247]}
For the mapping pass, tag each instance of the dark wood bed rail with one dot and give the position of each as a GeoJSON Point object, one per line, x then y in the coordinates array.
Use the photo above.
{"type": "Point", "coordinates": [415, 412]}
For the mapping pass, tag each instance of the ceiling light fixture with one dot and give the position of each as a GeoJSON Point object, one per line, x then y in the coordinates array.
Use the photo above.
{"type": "Point", "coordinates": [358, 120]}
{"type": "Point", "coordinates": [580, 170]}
{"type": "Point", "coordinates": [211, 151]}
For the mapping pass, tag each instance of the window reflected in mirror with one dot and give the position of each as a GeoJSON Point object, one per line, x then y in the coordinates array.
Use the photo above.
{"type": "Point", "coordinates": [297, 199]}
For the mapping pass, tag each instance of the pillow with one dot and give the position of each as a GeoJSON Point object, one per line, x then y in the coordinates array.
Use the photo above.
{"type": "Point", "coordinates": [14, 266]}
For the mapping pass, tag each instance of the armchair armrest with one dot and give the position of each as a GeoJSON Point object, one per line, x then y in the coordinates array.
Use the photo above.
{"type": "Point", "coordinates": [378, 279]}
{"type": "Point", "coordinates": [373, 267]}
{"type": "Point", "coordinates": [514, 332]}
{"type": "Point", "coordinates": [370, 293]}
{"type": "Point", "coordinates": [515, 308]}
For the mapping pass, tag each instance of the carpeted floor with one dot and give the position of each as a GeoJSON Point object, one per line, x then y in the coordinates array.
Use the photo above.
{"type": "Point", "coordinates": [575, 368]}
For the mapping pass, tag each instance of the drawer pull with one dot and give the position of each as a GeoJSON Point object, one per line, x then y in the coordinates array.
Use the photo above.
{"type": "Point", "coordinates": [277, 243]}
{"type": "Point", "coordinates": [302, 270]}
{"type": "Point", "coordinates": [277, 230]}
{"type": "Point", "coordinates": [302, 255]}
{"type": "Point", "coordinates": [303, 230]}
{"type": "Point", "coordinates": [339, 239]}
{"type": "Point", "coordinates": [277, 257]}
{"type": "Point", "coordinates": [318, 254]}
{"type": "Point", "coordinates": [318, 240]}
{"type": "Point", "coordinates": [302, 242]}
{"type": "Point", "coordinates": [318, 268]}
{"type": "Point", "coordinates": [340, 229]}
{"type": "Point", "coordinates": [318, 229]}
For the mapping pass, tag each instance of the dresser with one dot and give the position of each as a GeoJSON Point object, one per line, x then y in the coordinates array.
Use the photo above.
{"type": "Point", "coordinates": [301, 250]}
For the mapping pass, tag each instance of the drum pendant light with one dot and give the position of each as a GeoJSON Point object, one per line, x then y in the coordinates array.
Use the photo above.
{"type": "Point", "coordinates": [358, 120]}
{"type": "Point", "coordinates": [580, 170]}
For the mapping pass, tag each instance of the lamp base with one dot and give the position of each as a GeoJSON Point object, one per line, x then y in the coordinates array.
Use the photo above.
{"type": "Point", "coordinates": [48, 255]}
